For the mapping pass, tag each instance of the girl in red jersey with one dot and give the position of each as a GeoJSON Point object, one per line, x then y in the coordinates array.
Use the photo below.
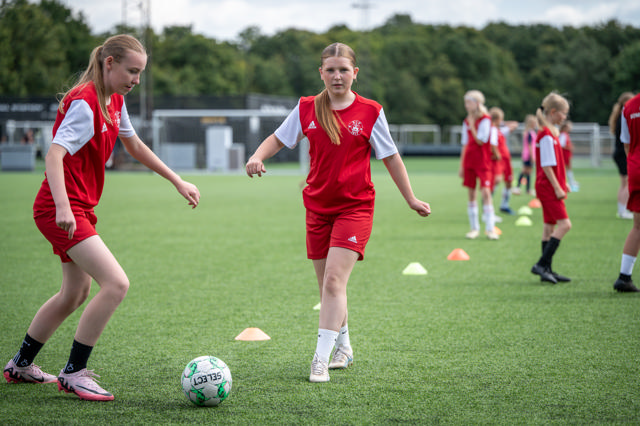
{"type": "Point", "coordinates": [551, 186]}
{"type": "Point", "coordinates": [619, 154]}
{"type": "Point", "coordinates": [501, 161]}
{"type": "Point", "coordinates": [90, 117]}
{"type": "Point", "coordinates": [475, 163]}
{"type": "Point", "coordinates": [567, 153]}
{"type": "Point", "coordinates": [630, 137]}
{"type": "Point", "coordinates": [341, 127]}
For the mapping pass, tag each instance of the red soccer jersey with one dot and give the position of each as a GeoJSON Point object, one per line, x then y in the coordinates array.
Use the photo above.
{"type": "Point", "coordinates": [477, 156]}
{"type": "Point", "coordinates": [632, 117]}
{"type": "Point", "coordinates": [84, 169]}
{"type": "Point", "coordinates": [544, 189]}
{"type": "Point", "coordinates": [340, 175]}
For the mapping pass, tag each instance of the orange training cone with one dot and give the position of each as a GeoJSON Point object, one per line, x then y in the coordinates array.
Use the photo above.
{"type": "Point", "coordinates": [458, 254]}
{"type": "Point", "coordinates": [535, 203]}
{"type": "Point", "coordinates": [497, 230]}
{"type": "Point", "coordinates": [252, 333]}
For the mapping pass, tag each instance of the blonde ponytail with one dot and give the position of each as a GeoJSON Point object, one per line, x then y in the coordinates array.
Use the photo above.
{"type": "Point", "coordinates": [116, 46]}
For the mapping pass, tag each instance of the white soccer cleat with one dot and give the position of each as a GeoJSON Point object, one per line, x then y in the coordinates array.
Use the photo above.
{"type": "Point", "coordinates": [319, 371]}
{"type": "Point", "coordinates": [473, 234]}
{"type": "Point", "coordinates": [492, 235]}
{"type": "Point", "coordinates": [83, 384]}
{"type": "Point", "coordinates": [342, 358]}
{"type": "Point", "coordinates": [29, 374]}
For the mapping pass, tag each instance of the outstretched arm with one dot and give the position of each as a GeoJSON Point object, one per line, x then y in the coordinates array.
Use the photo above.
{"type": "Point", "coordinates": [143, 154]}
{"type": "Point", "coordinates": [267, 149]}
{"type": "Point", "coordinates": [398, 173]}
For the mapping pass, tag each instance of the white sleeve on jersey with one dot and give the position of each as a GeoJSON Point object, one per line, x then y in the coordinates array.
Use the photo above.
{"type": "Point", "coordinates": [381, 139]}
{"type": "Point", "coordinates": [464, 137]}
{"type": "Point", "coordinates": [547, 153]}
{"type": "Point", "coordinates": [290, 131]}
{"type": "Point", "coordinates": [625, 137]}
{"type": "Point", "coordinates": [126, 129]}
{"type": "Point", "coordinates": [484, 130]}
{"type": "Point", "coordinates": [76, 128]}
{"type": "Point", "coordinates": [493, 139]}
{"type": "Point", "coordinates": [563, 140]}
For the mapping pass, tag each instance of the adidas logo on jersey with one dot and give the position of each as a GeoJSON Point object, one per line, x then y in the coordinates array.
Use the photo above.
{"type": "Point", "coordinates": [312, 125]}
{"type": "Point", "coordinates": [353, 240]}
{"type": "Point", "coordinates": [104, 127]}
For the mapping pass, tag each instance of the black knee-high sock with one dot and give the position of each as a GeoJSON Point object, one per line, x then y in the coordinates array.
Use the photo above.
{"type": "Point", "coordinates": [549, 250]}
{"type": "Point", "coordinates": [527, 177]}
{"type": "Point", "coordinates": [520, 179]}
{"type": "Point", "coordinates": [78, 358]}
{"type": "Point", "coordinates": [28, 351]}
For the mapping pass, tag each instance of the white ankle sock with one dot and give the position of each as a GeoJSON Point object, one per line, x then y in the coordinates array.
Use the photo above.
{"type": "Point", "coordinates": [326, 342]}
{"type": "Point", "coordinates": [343, 337]}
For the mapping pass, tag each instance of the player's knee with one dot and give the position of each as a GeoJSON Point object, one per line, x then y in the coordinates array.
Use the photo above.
{"type": "Point", "coordinates": [117, 288]}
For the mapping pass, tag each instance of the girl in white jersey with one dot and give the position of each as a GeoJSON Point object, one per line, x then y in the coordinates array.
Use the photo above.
{"type": "Point", "coordinates": [90, 118]}
{"type": "Point", "coordinates": [342, 127]}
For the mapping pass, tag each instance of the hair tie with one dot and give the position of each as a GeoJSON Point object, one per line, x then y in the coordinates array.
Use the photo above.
{"type": "Point", "coordinates": [541, 108]}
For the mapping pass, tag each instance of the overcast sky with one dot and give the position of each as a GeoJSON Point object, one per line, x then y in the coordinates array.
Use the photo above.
{"type": "Point", "coordinates": [225, 19]}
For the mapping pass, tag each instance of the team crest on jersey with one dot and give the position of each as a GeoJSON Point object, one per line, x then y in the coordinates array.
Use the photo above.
{"type": "Point", "coordinates": [355, 127]}
{"type": "Point", "coordinates": [118, 119]}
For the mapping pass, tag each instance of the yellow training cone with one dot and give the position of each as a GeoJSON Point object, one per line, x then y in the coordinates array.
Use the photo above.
{"type": "Point", "coordinates": [414, 268]}
{"type": "Point", "coordinates": [525, 211]}
{"type": "Point", "coordinates": [523, 221]}
{"type": "Point", "coordinates": [458, 254]}
{"type": "Point", "coordinates": [252, 333]}
{"type": "Point", "coordinates": [317, 307]}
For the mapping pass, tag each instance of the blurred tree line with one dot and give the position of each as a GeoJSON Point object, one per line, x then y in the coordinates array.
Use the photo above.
{"type": "Point", "coordinates": [418, 72]}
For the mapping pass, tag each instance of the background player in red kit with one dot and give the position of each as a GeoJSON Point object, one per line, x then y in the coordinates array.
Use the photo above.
{"type": "Point", "coordinates": [342, 127]}
{"type": "Point", "coordinates": [475, 163]}
{"type": "Point", "coordinates": [501, 163]}
{"type": "Point", "coordinates": [90, 117]}
{"type": "Point", "coordinates": [551, 185]}
{"type": "Point", "coordinates": [630, 137]}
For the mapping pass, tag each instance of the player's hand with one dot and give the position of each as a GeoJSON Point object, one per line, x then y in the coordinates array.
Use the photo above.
{"type": "Point", "coordinates": [66, 221]}
{"type": "Point", "coordinates": [190, 192]}
{"type": "Point", "coordinates": [422, 208]}
{"type": "Point", "coordinates": [560, 194]}
{"type": "Point", "coordinates": [255, 167]}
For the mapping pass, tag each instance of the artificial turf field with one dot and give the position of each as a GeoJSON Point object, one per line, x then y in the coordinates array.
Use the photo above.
{"type": "Point", "coordinates": [481, 341]}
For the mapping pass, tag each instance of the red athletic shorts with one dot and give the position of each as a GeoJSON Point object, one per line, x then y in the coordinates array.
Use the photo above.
{"type": "Point", "coordinates": [472, 174]}
{"type": "Point", "coordinates": [58, 237]}
{"type": "Point", "coordinates": [553, 210]}
{"type": "Point", "coordinates": [350, 230]}
{"type": "Point", "coordinates": [633, 205]}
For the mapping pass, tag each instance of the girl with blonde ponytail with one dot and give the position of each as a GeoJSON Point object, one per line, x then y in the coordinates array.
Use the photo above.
{"type": "Point", "coordinates": [91, 116]}
{"type": "Point", "coordinates": [342, 127]}
{"type": "Point", "coordinates": [475, 163]}
{"type": "Point", "coordinates": [551, 185]}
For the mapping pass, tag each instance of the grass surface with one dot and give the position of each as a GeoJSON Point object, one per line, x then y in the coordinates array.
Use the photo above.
{"type": "Point", "coordinates": [475, 342]}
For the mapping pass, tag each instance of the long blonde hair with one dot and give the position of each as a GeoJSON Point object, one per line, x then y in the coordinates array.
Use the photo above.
{"type": "Point", "coordinates": [617, 110]}
{"type": "Point", "coordinates": [116, 46]}
{"type": "Point", "coordinates": [327, 119]}
{"type": "Point", "coordinates": [477, 96]}
{"type": "Point", "coordinates": [552, 101]}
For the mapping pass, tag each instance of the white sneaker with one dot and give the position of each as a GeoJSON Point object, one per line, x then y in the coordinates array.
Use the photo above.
{"type": "Point", "coordinates": [319, 371]}
{"type": "Point", "coordinates": [473, 234]}
{"type": "Point", "coordinates": [626, 214]}
{"type": "Point", "coordinates": [492, 235]}
{"type": "Point", "coordinates": [497, 219]}
{"type": "Point", "coordinates": [342, 358]}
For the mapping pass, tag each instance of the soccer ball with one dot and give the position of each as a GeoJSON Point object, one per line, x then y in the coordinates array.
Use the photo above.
{"type": "Point", "coordinates": [206, 381]}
